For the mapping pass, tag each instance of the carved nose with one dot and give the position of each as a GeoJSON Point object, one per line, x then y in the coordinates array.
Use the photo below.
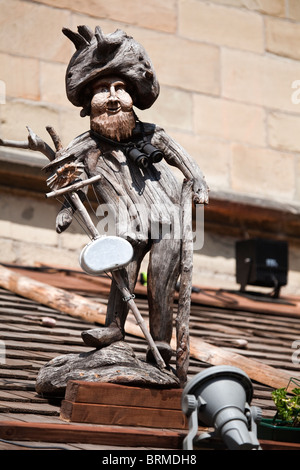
{"type": "Point", "coordinates": [113, 95]}
{"type": "Point", "coordinates": [113, 99]}
{"type": "Point", "coordinates": [113, 103]}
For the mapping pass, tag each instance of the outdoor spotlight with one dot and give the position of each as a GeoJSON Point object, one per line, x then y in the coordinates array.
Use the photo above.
{"type": "Point", "coordinates": [220, 398]}
{"type": "Point", "coordinates": [261, 262]}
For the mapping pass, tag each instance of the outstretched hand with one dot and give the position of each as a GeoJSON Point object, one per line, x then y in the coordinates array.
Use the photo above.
{"type": "Point", "coordinates": [200, 192]}
{"type": "Point", "coordinates": [34, 142]}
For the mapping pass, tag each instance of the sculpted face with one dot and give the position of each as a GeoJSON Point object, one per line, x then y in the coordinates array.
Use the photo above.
{"type": "Point", "coordinates": [112, 109]}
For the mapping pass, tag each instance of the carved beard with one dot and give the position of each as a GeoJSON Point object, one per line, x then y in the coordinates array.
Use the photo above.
{"type": "Point", "coordinates": [117, 126]}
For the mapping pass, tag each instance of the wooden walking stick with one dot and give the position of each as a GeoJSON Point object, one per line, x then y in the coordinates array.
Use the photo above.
{"type": "Point", "coordinates": [184, 301]}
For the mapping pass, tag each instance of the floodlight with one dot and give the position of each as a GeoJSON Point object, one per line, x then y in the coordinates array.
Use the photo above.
{"type": "Point", "coordinates": [261, 262]}
{"type": "Point", "coordinates": [219, 398]}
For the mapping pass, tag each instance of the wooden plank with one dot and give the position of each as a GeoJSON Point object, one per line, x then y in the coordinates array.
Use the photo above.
{"type": "Point", "coordinates": [15, 384]}
{"type": "Point", "coordinates": [113, 394]}
{"type": "Point", "coordinates": [122, 415]}
{"type": "Point", "coordinates": [59, 299]}
{"type": "Point", "coordinates": [49, 338]}
{"type": "Point", "coordinates": [256, 370]}
{"type": "Point", "coordinates": [101, 435]}
{"type": "Point", "coordinates": [46, 347]}
{"type": "Point", "coordinates": [29, 407]}
{"type": "Point", "coordinates": [275, 445]}
{"type": "Point", "coordinates": [199, 349]}
{"type": "Point", "coordinates": [22, 396]}
{"type": "Point", "coordinates": [287, 306]}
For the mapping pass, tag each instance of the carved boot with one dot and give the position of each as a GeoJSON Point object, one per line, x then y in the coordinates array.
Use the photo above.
{"type": "Point", "coordinates": [104, 336]}
{"type": "Point", "coordinates": [165, 352]}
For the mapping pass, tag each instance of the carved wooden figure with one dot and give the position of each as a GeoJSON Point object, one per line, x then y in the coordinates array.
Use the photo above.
{"type": "Point", "coordinates": [128, 161]}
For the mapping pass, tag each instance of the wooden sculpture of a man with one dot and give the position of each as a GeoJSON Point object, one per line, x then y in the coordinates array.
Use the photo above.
{"type": "Point", "coordinates": [107, 76]}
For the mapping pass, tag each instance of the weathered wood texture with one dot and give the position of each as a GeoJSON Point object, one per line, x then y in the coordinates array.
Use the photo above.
{"type": "Point", "coordinates": [259, 330]}
{"type": "Point", "coordinates": [116, 54]}
{"type": "Point", "coordinates": [199, 349]}
{"type": "Point", "coordinates": [115, 363]}
{"type": "Point", "coordinates": [122, 415]}
{"type": "Point", "coordinates": [56, 298]}
{"type": "Point", "coordinates": [109, 436]}
{"type": "Point", "coordinates": [121, 405]}
{"type": "Point", "coordinates": [184, 298]}
{"type": "Point", "coordinates": [112, 394]}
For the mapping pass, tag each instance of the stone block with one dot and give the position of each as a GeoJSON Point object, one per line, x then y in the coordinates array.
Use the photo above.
{"type": "Point", "coordinates": [157, 14]}
{"type": "Point", "coordinates": [261, 172]}
{"type": "Point", "coordinates": [261, 80]}
{"type": "Point", "coordinates": [182, 63]}
{"type": "Point", "coordinates": [297, 192]}
{"type": "Point", "coordinates": [32, 234]}
{"type": "Point", "coordinates": [284, 131]}
{"type": "Point", "coordinates": [294, 10]}
{"type": "Point", "coordinates": [216, 24]}
{"type": "Point", "coordinates": [283, 37]}
{"type": "Point", "coordinates": [229, 120]}
{"type": "Point", "coordinates": [5, 227]}
{"type": "Point", "coordinates": [73, 241]}
{"type": "Point", "coordinates": [7, 249]}
{"type": "Point", "coordinates": [212, 156]}
{"type": "Point", "coordinates": [268, 7]}
{"type": "Point", "coordinates": [28, 220]}
{"type": "Point", "coordinates": [72, 124]}
{"type": "Point", "coordinates": [30, 254]}
{"type": "Point", "coordinates": [16, 115]}
{"type": "Point", "coordinates": [21, 76]}
{"type": "Point", "coordinates": [52, 81]}
{"type": "Point", "coordinates": [172, 110]}
{"type": "Point", "coordinates": [33, 30]}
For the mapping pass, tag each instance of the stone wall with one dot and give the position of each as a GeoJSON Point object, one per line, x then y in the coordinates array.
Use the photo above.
{"type": "Point", "coordinates": [229, 72]}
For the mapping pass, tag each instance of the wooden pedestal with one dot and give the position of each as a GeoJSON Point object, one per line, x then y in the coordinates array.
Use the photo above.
{"type": "Point", "coordinates": [112, 404]}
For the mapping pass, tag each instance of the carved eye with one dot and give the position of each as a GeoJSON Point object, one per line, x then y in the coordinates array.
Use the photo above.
{"type": "Point", "coordinates": [103, 89]}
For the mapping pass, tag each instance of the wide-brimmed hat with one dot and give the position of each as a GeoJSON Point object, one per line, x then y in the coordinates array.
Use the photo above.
{"type": "Point", "coordinates": [98, 55]}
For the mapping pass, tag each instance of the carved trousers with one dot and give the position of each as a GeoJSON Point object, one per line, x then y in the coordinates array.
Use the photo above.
{"type": "Point", "coordinates": [162, 276]}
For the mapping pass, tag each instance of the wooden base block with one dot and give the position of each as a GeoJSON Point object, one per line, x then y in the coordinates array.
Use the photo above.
{"type": "Point", "coordinates": [112, 404]}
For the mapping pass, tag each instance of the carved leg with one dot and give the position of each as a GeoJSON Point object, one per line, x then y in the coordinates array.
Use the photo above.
{"type": "Point", "coordinates": [117, 308]}
{"type": "Point", "coordinates": [163, 272]}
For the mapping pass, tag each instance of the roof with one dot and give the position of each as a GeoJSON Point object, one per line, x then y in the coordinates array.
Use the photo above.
{"type": "Point", "coordinates": [241, 328]}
